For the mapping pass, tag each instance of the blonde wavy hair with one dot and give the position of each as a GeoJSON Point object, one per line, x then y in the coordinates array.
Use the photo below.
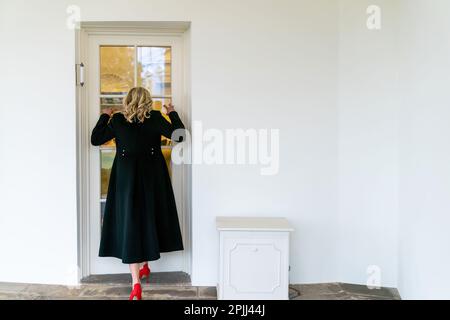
{"type": "Point", "coordinates": [137, 104]}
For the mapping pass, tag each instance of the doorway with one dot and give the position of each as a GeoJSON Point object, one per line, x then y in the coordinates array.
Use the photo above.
{"type": "Point", "coordinates": [114, 60]}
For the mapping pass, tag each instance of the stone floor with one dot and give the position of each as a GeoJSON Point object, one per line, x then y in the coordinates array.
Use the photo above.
{"type": "Point", "coordinates": [177, 286]}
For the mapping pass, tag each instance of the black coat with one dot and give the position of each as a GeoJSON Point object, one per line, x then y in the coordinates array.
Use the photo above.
{"type": "Point", "coordinates": [140, 219]}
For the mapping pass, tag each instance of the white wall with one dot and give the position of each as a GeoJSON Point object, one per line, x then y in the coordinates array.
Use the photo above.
{"type": "Point", "coordinates": [255, 63]}
{"type": "Point", "coordinates": [38, 234]}
{"type": "Point", "coordinates": [424, 262]}
{"type": "Point", "coordinates": [394, 173]}
{"type": "Point", "coordinates": [368, 144]}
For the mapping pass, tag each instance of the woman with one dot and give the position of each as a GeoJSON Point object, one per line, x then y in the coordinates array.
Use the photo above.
{"type": "Point", "coordinates": [140, 218]}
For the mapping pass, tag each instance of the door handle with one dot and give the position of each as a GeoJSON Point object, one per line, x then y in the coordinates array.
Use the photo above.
{"type": "Point", "coordinates": [80, 77]}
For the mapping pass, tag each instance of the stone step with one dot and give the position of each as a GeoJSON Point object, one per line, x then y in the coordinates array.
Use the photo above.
{"type": "Point", "coordinates": [171, 279]}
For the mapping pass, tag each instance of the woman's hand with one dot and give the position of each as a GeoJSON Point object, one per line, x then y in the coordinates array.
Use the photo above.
{"type": "Point", "coordinates": [108, 111]}
{"type": "Point", "coordinates": [168, 109]}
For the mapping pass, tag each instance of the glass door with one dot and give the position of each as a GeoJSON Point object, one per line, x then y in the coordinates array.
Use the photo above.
{"type": "Point", "coordinates": [116, 64]}
{"type": "Point", "coordinates": [124, 67]}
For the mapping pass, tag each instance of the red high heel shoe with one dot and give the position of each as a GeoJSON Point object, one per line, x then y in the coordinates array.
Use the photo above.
{"type": "Point", "coordinates": [136, 292]}
{"type": "Point", "coordinates": [144, 272]}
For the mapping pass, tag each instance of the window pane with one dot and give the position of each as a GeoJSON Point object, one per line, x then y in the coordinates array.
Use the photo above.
{"type": "Point", "coordinates": [154, 70]}
{"type": "Point", "coordinates": [167, 153]}
{"type": "Point", "coordinates": [116, 69]}
{"type": "Point", "coordinates": [106, 159]}
{"type": "Point", "coordinates": [102, 213]}
{"type": "Point", "coordinates": [157, 105]}
{"type": "Point", "coordinates": [114, 103]}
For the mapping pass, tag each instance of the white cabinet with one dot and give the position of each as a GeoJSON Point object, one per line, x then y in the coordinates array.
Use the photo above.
{"type": "Point", "coordinates": [253, 258]}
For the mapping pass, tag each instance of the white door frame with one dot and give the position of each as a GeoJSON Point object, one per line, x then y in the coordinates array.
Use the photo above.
{"type": "Point", "coordinates": [175, 29]}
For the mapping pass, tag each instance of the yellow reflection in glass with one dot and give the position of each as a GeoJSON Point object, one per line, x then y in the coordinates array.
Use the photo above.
{"type": "Point", "coordinates": [165, 143]}
{"type": "Point", "coordinates": [157, 105]}
{"type": "Point", "coordinates": [106, 160]}
{"type": "Point", "coordinates": [115, 103]}
{"type": "Point", "coordinates": [116, 69]}
{"type": "Point", "coordinates": [167, 153]}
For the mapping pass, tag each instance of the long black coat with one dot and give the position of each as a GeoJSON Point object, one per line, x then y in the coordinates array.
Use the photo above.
{"type": "Point", "coordinates": [140, 219]}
